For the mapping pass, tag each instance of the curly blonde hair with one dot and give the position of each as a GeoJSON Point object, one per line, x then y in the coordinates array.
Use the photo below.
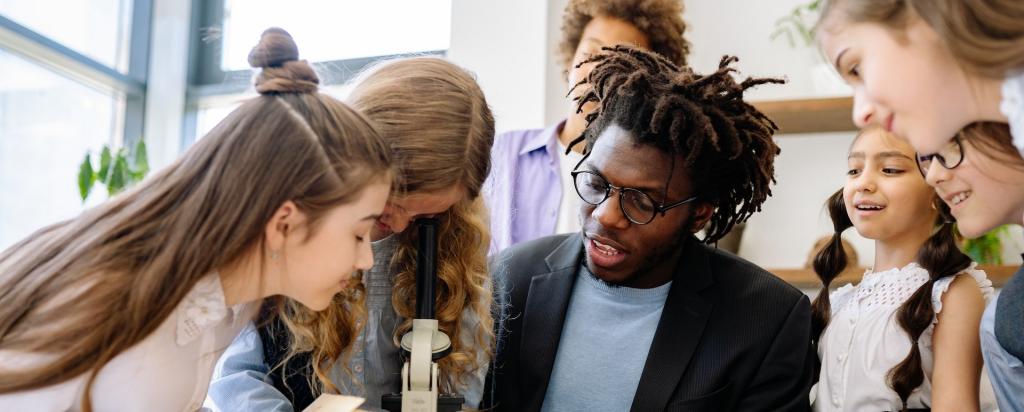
{"type": "Point", "coordinates": [660, 20]}
{"type": "Point", "coordinates": [434, 116]}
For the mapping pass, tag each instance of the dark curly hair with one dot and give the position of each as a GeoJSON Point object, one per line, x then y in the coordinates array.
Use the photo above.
{"type": "Point", "coordinates": [724, 141]}
{"type": "Point", "coordinates": [660, 20]}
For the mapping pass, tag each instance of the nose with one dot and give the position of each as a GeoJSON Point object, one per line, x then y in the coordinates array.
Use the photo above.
{"type": "Point", "coordinates": [936, 174]}
{"type": "Point", "coordinates": [609, 214]}
{"type": "Point", "coordinates": [864, 111]}
{"type": "Point", "coordinates": [864, 183]}
{"type": "Point", "coordinates": [395, 219]}
{"type": "Point", "coordinates": [364, 255]}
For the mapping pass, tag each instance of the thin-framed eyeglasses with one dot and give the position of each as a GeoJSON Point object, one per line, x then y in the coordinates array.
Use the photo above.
{"type": "Point", "coordinates": [949, 157]}
{"type": "Point", "coordinates": [636, 205]}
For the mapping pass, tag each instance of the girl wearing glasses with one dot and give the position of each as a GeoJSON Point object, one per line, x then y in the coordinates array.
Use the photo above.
{"type": "Point", "coordinates": [906, 336]}
{"type": "Point", "coordinates": [980, 177]}
{"type": "Point", "coordinates": [925, 69]}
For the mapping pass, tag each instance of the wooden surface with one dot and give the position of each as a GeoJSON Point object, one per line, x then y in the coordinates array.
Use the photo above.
{"type": "Point", "coordinates": [830, 114]}
{"type": "Point", "coordinates": [807, 279]}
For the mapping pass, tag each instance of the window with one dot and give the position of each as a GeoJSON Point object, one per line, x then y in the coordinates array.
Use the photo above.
{"type": "Point", "coordinates": [72, 82]}
{"type": "Point", "coordinates": [98, 29]}
{"type": "Point", "coordinates": [341, 37]}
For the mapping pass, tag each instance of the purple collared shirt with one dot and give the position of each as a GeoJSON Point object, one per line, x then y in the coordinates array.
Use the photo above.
{"type": "Point", "coordinates": [523, 191]}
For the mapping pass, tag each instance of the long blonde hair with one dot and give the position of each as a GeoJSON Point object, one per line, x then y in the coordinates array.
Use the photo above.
{"type": "Point", "coordinates": [86, 289]}
{"type": "Point", "coordinates": [985, 36]}
{"type": "Point", "coordinates": [435, 119]}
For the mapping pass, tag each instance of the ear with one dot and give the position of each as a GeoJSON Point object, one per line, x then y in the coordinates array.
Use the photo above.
{"type": "Point", "coordinates": [701, 215]}
{"type": "Point", "coordinates": [284, 222]}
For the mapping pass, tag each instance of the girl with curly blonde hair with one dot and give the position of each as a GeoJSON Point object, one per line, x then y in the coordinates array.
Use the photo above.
{"type": "Point", "coordinates": [436, 120]}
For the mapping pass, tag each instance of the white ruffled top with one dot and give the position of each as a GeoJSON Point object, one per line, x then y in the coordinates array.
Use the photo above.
{"type": "Point", "coordinates": [169, 370]}
{"type": "Point", "coordinates": [1012, 107]}
{"type": "Point", "coordinates": [863, 340]}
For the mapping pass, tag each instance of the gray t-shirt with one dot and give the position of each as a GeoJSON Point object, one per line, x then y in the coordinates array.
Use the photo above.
{"type": "Point", "coordinates": [605, 340]}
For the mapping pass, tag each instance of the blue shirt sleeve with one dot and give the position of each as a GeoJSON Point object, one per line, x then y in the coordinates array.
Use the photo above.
{"type": "Point", "coordinates": [1005, 371]}
{"type": "Point", "coordinates": [240, 380]}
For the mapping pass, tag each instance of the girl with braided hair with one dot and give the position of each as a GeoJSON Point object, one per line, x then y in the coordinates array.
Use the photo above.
{"type": "Point", "coordinates": [906, 336]}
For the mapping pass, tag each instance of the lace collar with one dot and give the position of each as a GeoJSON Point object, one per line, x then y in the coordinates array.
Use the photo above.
{"type": "Point", "coordinates": [203, 307]}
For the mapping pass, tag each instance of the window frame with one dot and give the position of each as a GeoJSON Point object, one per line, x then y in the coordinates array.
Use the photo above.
{"type": "Point", "coordinates": [51, 55]}
{"type": "Point", "coordinates": [206, 79]}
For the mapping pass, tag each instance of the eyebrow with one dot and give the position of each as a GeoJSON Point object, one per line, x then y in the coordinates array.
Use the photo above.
{"type": "Point", "coordinates": [839, 57]}
{"type": "Point", "coordinates": [882, 155]}
{"type": "Point", "coordinates": [649, 190]}
{"type": "Point", "coordinates": [592, 40]}
{"type": "Point", "coordinates": [370, 217]}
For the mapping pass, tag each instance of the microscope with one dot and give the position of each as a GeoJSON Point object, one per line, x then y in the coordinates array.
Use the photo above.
{"type": "Point", "coordinates": [425, 344]}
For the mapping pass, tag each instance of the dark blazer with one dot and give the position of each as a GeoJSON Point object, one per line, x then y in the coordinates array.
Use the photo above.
{"type": "Point", "coordinates": [731, 336]}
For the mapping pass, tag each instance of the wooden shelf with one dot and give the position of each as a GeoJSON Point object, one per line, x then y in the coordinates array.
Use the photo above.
{"type": "Point", "coordinates": [831, 114]}
{"type": "Point", "coordinates": [807, 279]}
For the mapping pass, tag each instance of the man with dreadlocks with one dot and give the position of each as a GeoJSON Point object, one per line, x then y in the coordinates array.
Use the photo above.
{"type": "Point", "coordinates": [634, 312]}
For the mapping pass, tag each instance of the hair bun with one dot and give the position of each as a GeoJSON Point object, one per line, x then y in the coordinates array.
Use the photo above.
{"type": "Point", "coordinates": [282, 71]}
{"type": "Point", "coordinates": [276, 47]}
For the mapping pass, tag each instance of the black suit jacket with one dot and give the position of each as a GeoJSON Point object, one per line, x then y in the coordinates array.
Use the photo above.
{"type": "Point", "coordinates": [731, 336]}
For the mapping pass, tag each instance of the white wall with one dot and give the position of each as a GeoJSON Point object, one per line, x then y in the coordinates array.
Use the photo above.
{"type": "Point", "coordinates": [511, 46]}
{"type": "Point", "coordinates": [811, 166]}
{"type": "Point", "coordinates": [505, 44]}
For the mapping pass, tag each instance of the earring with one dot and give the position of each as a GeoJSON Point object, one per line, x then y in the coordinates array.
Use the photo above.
{"type": "Point", "coordinates": [274, 254]}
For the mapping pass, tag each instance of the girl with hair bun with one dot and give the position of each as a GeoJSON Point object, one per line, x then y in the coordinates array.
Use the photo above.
{"type": "Point", "coordinates": [906, 336]}
{"type": "Point", "coordinates": [434, 117]}
{"type": "Point", "coordinates": [129, 305]}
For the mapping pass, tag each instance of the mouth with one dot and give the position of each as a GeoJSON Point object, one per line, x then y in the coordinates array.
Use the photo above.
{"type": "Point", "coordinates": [604, 252]}
{"type": "Point", "coordinates": [888, 123]}
{"type": "Point", "coordinates": [868, 208]}
{"type": "Point", "coordinates": [955, 199]}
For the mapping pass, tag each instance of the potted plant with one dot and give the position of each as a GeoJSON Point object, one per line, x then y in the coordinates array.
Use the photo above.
{"type": "Point", "coordinates": [988, 248]}
{"type": "Point", "coordinates": [118, 169]}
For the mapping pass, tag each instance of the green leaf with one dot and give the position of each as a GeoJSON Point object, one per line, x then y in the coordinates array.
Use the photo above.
{"type": "Point", "coordinates": [104, 164]}
{"type": "Point", "coordinates": [987, 248]}
{"type": "Point", "coordinates": [141, 161]}
{"type": "Point", "coordinates": [86, 178]}
{"type": "Point", "coordinates": [118, 175]}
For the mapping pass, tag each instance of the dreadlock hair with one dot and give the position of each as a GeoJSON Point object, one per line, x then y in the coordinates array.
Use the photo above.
{"type": "Point", "coordinates": [723, 139]}
{"type": "Point", "coordinates": [939, 255]}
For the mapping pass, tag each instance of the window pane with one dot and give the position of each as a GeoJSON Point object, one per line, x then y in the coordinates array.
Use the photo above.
{"type": "Point", "coordinates": [47, 123]}
{"type": "Point", "coordinates": [96, 28]}
{"type": "Point", "coordinates": [212, 110]}
{"type": "Point", "coordinates": [337, 29]}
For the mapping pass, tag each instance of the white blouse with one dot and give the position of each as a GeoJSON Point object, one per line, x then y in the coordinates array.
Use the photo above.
{"type": "Point", "coordinates": [167, 371]}
{"type": "Point", "coordinates": [863, 341]}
